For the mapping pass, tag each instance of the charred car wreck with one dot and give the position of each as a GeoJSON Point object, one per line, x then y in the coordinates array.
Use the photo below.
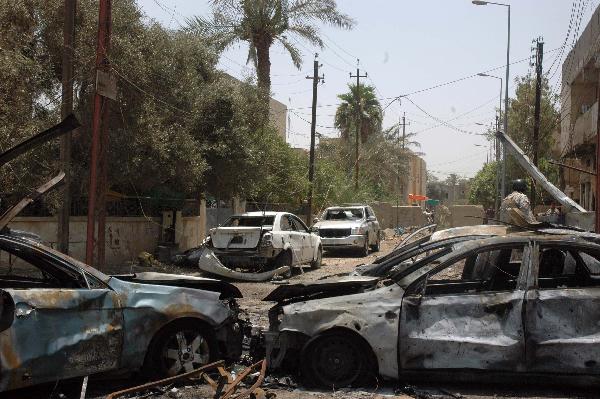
{"type": "Point", "coordinates": [523, 304]}
{"type": "Point", "coordinates": [60, 318]}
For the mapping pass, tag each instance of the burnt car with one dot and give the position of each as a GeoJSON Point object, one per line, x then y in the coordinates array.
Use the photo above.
{"type": "Point", "coordinates": [60, 318]}
{"type": "Point", "coordinates": [503, 306]}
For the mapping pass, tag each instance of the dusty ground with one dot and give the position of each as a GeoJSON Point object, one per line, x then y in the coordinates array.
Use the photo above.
{"type": "Point", "coordinates": [333, 263]}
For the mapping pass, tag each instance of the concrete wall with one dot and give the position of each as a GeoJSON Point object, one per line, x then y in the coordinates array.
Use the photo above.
{"type": "Point", "coordinates": [126, 237]}
{"type": "Point", "coordinates": [389, 215]}
{"type": "Point", "coordinates": [466, 215]}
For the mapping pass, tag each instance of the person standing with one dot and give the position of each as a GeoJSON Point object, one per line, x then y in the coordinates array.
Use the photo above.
{"type": "Point", "coordinates": [518, 200]}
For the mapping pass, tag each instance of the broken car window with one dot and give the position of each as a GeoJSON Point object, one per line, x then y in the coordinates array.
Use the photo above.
{"type": "Point", "coordinates": [486, 271]}
{"type": "Point", "coordinates": [249, 221]}
{"type": "Point", "coordinates": [344, 214]}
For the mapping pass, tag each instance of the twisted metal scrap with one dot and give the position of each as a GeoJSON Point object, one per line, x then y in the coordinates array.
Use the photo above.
{"type": "Point", "coordinates": [166, 380]}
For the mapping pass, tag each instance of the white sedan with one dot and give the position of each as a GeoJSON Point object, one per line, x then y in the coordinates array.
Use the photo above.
{"type": "Point", "coordinates": [266, 239]}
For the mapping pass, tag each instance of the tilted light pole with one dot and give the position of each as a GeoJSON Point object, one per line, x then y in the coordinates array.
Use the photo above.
{"type": "Point", "coordinates": [499, 194]}
{"type": "Point", "coordinates": [484, 3]}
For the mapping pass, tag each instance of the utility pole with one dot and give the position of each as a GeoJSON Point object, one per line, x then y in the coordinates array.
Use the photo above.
{"type": "Point", "coordinates": [311, 166]}
{"type": "Point", "coordinates": [358, 121]}
{"type": "Point", "coordinates": [64, 212]}
{"type": "Point", "coordinates": [498, 195]}
{"type": "Point", "coordinates": [99, 120]}
{"type": "Point", "coordinates": [539, 55]}
{"type": "Point", "coordinates": [402, 146]}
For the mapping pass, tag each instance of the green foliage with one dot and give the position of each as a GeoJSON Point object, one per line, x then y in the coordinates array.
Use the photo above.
{"type": "Point", "coordinates": [483, 186]}
{"type": "Point", "coordinates": [179, 126]}
{"type": "Point", "coordinates": [261, 23]}
{"type": "Point", "coordinates": [520, 129]}
{"type": "Point", "coordinates": [359, 101]}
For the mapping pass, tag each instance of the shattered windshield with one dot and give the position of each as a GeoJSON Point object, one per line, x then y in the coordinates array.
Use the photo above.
{"type": "Point", "coordinates": [249, 221]}
{"type": "Point", "coordinates": [344, 214]}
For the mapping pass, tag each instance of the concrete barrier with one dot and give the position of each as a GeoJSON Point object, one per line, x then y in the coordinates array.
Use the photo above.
{"type": "Point", "coordinates": [466, 215]}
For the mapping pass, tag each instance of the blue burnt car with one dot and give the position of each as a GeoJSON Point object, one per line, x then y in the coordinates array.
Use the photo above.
{"type": "Point", "coordinates": [60, 318]}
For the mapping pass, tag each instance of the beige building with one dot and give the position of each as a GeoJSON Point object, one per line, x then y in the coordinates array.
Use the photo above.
{"type": "Point", "coordinates": [277, 112]}
{"type": "Point", "coordinates": [416, 180]}
{"type": "Point", "coordinates": [576, 142]}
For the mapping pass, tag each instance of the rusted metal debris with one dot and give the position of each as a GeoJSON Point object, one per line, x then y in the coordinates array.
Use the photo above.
{"type": "Point", "coordinates": [164, 381]}
{"type": "Point", "coordinates": [225, 386]}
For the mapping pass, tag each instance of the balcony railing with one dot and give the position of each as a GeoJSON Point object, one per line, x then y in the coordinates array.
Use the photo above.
{"type": "Point", "coordinates": [586, 126]}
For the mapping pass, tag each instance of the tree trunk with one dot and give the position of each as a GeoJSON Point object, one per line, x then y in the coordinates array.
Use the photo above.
{"type": "Point", "coordinates": [264, 65]}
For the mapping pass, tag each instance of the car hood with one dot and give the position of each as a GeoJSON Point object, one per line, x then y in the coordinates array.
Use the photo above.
{"type": "Point", "coordinates": [338, 224]}
{"type": "Point", "coordinates": [226, 289]}
{"type": "Point", "coordinates": [322, 289]}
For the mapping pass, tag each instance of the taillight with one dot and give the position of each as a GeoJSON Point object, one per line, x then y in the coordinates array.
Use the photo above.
{"type": "Point", "coordinates": [266, 240]}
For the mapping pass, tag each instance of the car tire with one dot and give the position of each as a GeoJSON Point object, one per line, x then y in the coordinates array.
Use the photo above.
{"type": "Point", "coordinates": [364, 251]}
{"type": "Point", "coordinates": [377, 246]}
{"type": "Point", "coordinates": [336, 360]}
{"type": "Point", "coordinates": [284, 259]}
{"type": "Point", "coordinates": [316, 264]}
{"type": "Point", "coordinates": [180, 347]}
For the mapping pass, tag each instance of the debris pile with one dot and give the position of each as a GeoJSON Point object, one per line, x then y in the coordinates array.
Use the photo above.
{"type": "Point", "coordinates": [234, 384]}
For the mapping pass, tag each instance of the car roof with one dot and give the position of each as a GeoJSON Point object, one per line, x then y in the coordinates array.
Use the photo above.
{"type": "Point", "coordinates": [346, 207]}
{"type": "Point", "coordinates": [259, 213]}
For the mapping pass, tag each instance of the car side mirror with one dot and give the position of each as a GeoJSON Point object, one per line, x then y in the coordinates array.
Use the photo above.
{"type": "Point", "coordinates": [314, 230]}
{"type": "Point", "coordinates": [371, 219]}
{"type": "Point", "coordinates": [316, 220]}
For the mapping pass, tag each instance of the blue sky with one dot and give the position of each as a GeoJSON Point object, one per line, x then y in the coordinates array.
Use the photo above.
{"type": "Point", "coordinates": [406, 46]}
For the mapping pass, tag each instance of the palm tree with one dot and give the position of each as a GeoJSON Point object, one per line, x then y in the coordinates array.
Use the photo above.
{"type": "Point", "coordinates": [369, 109]}
{"type": "Point", "coordinates": [263, 22]}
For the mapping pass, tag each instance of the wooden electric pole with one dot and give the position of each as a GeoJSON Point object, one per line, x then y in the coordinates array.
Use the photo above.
{"type": "Point", "coordinates": [311, 165]}
{"type": "Point", "coordinates": [539, 55]}
{"type": "Point", "coordinates": [64, 213]}
{"type": "Point", "coordinates": [99, 121]}
{"type": "Point", "coordinates": [358, 122]}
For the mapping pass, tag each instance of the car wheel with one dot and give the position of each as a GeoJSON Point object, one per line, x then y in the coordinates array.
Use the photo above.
{"type": "Point", "coordinates": [377, 246]}
{"type": "Point", "coordinates": [284, 259]}
{"type": "Point", "coordinates": [364, 251]}
{"type": "Point", "coordinates": [315, 264]}
{"type": "Point", "coordinates": [335, 360]}
{"type": "Point", "coordinates": [179, 348]}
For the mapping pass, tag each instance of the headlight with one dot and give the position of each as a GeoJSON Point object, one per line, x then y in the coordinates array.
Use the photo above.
{"type": "Point", "coordinates": [266, 240]}
{"type": "Point", "coordinates": [357, 230]}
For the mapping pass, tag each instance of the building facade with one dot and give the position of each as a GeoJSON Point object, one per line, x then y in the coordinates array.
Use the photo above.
{"type": "Point", "coordinates": [576, 142]}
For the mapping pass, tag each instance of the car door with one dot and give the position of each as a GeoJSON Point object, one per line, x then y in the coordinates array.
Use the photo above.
{"type": "Point", "coordinates": [562, 318]}
{"type": "Point", "coordinates": [308, 244]}
{"type": "Point", "coordinates": [293, 237]}
{"type": "Point", "coordinates": [65, 323]}
{"type": "Point", "coordinates": [374, 223]}
{"type": "Point", "coordinates": [466, 312]}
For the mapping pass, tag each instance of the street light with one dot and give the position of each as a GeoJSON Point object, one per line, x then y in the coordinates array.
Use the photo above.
{"type": "Point", "coordinates": [484, 3]}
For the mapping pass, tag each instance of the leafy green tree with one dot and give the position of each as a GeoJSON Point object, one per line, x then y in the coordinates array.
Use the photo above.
{"type": "Point", "coordinates": [178, 126]}
{"type": "Point", "coordinates": [520, 125]}
{"type": "Point", "coordinates": [483, 186]}
{"type": "Point", "coordinates": [261, 23]}
{"type": "Point", "coordinates": [359, 102]}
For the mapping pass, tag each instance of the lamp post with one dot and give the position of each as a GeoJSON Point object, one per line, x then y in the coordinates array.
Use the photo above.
{"type": "Point", "coordinates": [499, 174]}
{"type": "Point", "coordinates": [484, 3]}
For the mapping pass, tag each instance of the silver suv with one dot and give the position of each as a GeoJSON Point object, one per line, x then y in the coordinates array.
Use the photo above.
{"type": "Point", "coordinates": [352, 226]}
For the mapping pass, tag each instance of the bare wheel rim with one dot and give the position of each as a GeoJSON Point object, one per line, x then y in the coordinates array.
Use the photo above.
{"type": "Point", "coordinates": [184, 351]}
{"type": "Point", "coordinates": [336, 362]}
